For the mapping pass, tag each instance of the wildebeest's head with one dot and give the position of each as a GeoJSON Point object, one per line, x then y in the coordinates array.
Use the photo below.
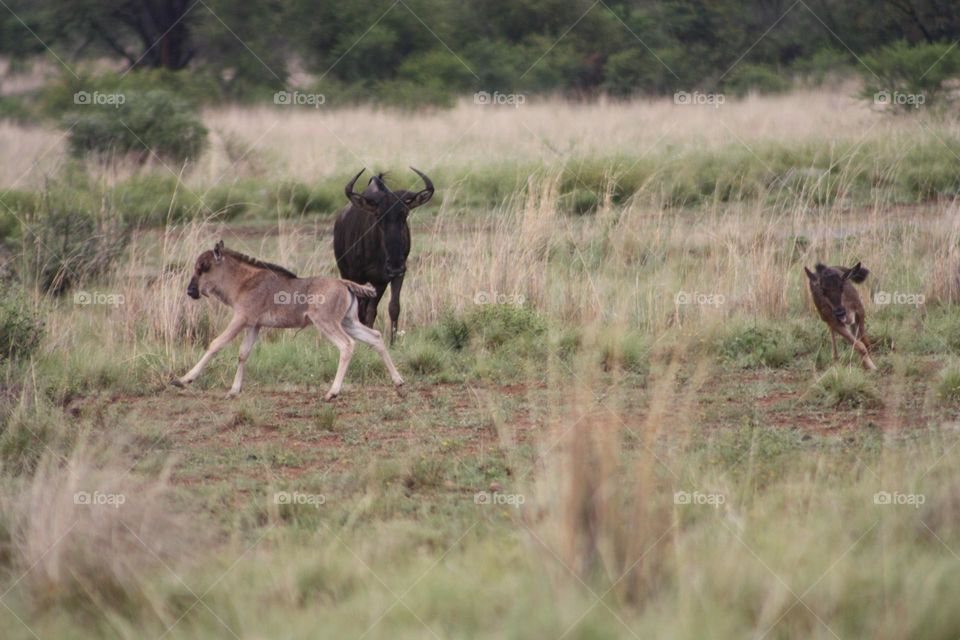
{"type": "Point", "coordinates": [391, 209]}
{"type": "Point", "coordinates": [827, 283]}
{"type": "Point", "coordinates": [205, 272]}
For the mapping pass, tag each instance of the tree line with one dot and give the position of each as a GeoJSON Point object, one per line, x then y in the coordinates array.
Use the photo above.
{"type": "Point", "coordinates": [578, 47]}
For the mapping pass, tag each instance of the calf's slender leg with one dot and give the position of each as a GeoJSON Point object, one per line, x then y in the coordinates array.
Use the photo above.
{"type": "Point", "coordinates": [248, 341]}
{"type": "Point", "coordinates": [372, 337]}
{"type": "Point", "coordinates": [222, 340]}
{"type": "Point", "coordinates": [335, 333]}
{"type": "Point", "coordinates": [859, 346]}
{"type": "Point", "coordinates": [833, 343]}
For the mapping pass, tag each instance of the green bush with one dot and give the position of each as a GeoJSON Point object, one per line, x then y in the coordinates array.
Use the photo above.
{"type": "Point", "coordinates": [948, 384]}
{"type": "Point", "coordinates": [496, 325]}
{"type": "Point", "coordinates": [906, 77]}
{"type": "Point", "coordinates": [848, 386]}
{"type": "Point", "coordinates": [758, 346]}
{"type": "Point", "coordinates": [425, 358]}
{"type": "Point", "coordinates": [69, 245]}
{"type": "Point", "coordinates": [21, 328]}
{"type": "Point", "coordinates": [625, 351]}
{"type": "Point", "coordinates": [152, 200]}
{"type": "Point", "coordinates": [746, 78]}
{"type": "Point", "coordinates": [296, 198]}
{"type": "Point", "coordinates": [824, 65]}
{"type": "Point", "coordinates": [137, 124]}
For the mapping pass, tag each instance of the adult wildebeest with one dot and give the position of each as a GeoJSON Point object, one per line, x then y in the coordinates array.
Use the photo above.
{"type": "Point", "coordinates": [371, 241]}
{"type": "Point", "coordinates": [265, 295]}
{"type": "Point", "coordinates": [839, 305]}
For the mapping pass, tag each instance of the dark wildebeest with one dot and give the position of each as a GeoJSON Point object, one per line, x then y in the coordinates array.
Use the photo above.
{"type": "Point", "coordinates": [839, 305]}
{"type": "Point", "coordinates": [263, 295]}
{"type": "Point", "coordinates": [371, 241]}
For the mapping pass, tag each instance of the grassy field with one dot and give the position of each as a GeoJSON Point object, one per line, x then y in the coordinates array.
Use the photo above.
{"type": "Point", "coordinates": [622, 418]}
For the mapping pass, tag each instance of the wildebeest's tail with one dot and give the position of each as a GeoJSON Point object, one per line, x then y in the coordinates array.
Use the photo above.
{"type": "Point", "coordinates": [859, 273]}
{"type": "Point", "coordinates": [359, 290]}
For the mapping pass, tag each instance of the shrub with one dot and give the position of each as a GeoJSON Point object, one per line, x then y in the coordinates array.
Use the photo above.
{"type": "Point", "coordinates": [425, 358]}
{"type": "Point", "coordinates": [452, 332]}
{"type": "Point", "coordinates": [846, 386]}
{"type": "Point", "coordinates": [747, 78]}
{"type": "Point", "coordinates": [153, 199]}
{"type": "Point", "coordinates": [625, 351]}
{"type": "Point", "coordinates": [21, 327]}
{"type": "Point", "coordinates": [757, 345]}
{"type": "Point", "coordinates": [297, 198]}
{"type": "Point", "coordinates": [68, 246]}
{"type": "Point", "coordinates": [948, 384]}
{"type": "Point", "coordinates": [917, 73]}
{"type": "Point", "coordinates": [824, 65]}
{"type": "Point", "coordinates": [150, 123]}
{"type": "Point", "coordinates": [497, 324]}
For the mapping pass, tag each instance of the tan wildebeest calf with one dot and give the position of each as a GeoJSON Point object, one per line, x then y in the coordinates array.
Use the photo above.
{"type": "Point", "coordinates": [265, 295]}
{"type": "Point", "coordinates": [839, 305]}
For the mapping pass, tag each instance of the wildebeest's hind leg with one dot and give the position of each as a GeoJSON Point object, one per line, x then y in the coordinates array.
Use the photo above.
{"type": "Point", "coordinates": [335, 333]}
{"type": "Point", "coordinates": [218, 343]}
{"type": "Point", "coordinates": [395, 285]}
{"type": "Point", "coordinates": [351, 324]}
{"type": "Point", "coordinates": [245, 349]}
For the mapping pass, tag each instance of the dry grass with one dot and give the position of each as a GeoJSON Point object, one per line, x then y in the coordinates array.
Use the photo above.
{"type": "Point", "coordinates": [798, 520]}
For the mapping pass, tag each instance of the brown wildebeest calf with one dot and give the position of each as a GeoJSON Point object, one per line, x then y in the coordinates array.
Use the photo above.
{"type": "Point", "coordinates": [839, 305]}
{"type": "Point", "coordinates": [265, 295]}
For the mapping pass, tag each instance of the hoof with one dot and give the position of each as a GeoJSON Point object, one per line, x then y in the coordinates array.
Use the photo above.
{"type": "Point", "coordinates": [400, 390]}
{"type": "Point", "coordinates": [233, 394]}
{"type": "Point", "coordinates": [330, 397]}
{"type": "Point", "coordinates": [176, 383]}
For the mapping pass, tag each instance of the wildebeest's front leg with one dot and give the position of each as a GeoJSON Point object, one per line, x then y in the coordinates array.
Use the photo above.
{"type": "Point", "coordinates": [370, 315]}
{"type": "Point", "coordinates": [395, 285]}
{"type": "Point", "coordinates": [859, 346]}
{"type": "Point", "coordinates": [833, 343]}
{"type": "Point", "coordinates": [248, 341]}
{"type": "Point", "coordinates": [222, 340]}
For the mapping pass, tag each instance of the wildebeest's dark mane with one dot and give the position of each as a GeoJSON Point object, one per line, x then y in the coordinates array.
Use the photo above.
{"type": "Point", "coordinates": [254, 262]}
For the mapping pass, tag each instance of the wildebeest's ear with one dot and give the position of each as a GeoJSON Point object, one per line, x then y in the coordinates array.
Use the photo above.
{"type": "Point", "coordinates": [365, 203]}
{"type": "Point", "coordinates": [218, 251]}
{"type": "Point", "coordinates": [852, 270]}
{"type": "Point", "coordinates": [413, 200]}
{"type": "Point", "coordinates": [810, 274]}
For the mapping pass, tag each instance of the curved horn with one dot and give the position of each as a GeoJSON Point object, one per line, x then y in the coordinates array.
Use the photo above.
{"type": "Point", "coordinates": [426, 181]}
{"type": "Point", "coordinates": [349, 188]}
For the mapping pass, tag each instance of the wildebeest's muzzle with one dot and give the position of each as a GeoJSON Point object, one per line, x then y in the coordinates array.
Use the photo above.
{"type": "Point", "coordinates": [840, 314]}
{"type": "Point", "coordinates": [193, 290]}
{"type": "Point", "coordinates": [395, 272]}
